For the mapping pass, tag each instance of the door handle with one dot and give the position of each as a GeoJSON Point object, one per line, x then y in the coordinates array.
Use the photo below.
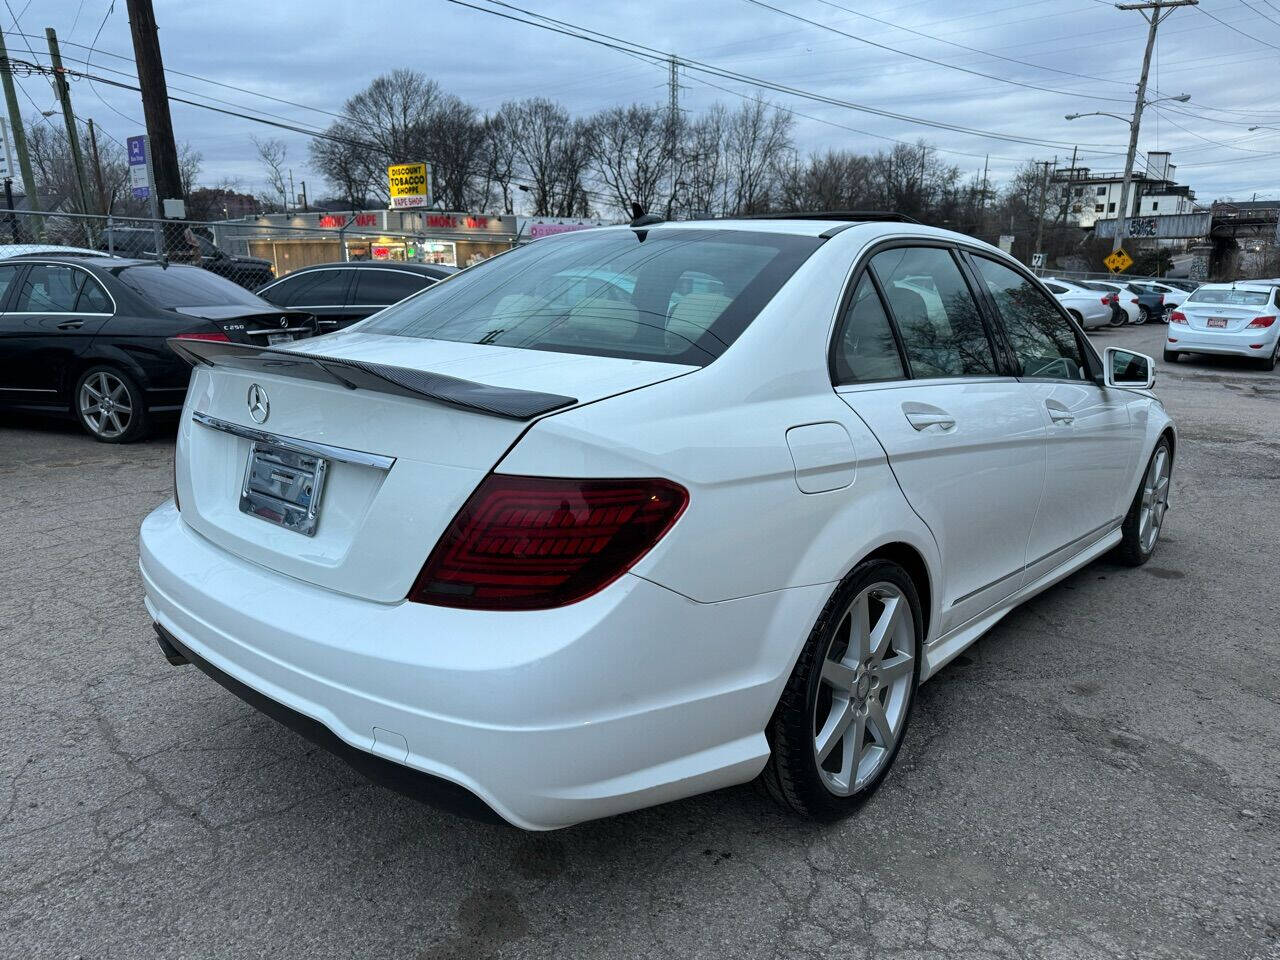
{"type": "Point", "coordinates": [1059, 414]}
{"type": "Point", "coordinates": [71, 325]}
{"type": "Point", "coordinates": [922, 420]}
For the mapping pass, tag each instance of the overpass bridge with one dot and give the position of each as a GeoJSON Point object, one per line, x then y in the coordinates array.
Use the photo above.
{"type": "Point", "coordinates": [1223, 228]}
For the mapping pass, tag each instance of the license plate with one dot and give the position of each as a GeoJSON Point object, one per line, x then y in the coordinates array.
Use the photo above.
{"type": "Point", "coordinates": [274, 338]}
{"type": "Point", "coordinates": [283, 487]}
{"type": "Point", "coordinates": [1217, 321]}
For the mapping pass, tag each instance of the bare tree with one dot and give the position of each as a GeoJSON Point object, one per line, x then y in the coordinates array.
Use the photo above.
{"type": "Point", "coordinates": [190, 162]}
{"type": "Point", "coordinates": [757, 137]}
{"type": "Point", "coordinates": [500, 155]}
{"type": "Point", "coordinates": [701, 172]}
{"type": "Point", "coordinates": [274, 154]}
{"type": "Point", "coordinates": [343, 163]}
{"type": "Point", "coordinates": [630, 154]}
{"type": "Point", "coordinates": [554, 150]}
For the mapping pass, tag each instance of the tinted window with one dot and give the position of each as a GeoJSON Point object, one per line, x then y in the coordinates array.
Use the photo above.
{"type": "Point", "coordinates": [1055, 288]}
{"type": "Point", "coordinates": [609, 293]}
{"type": "Point", "coordinates": [7, 275]}
{"type": "Point", "coordinates": [1043, 341]}
{"type": "Point", "coordinates": [939, 322]}
{"type": "Point", "coordinates": [50, 288]}
{"type": "Point", "coordinates": [177, 286]}
{"type": "Point", "coordinates": [314, 288]}
{"type": "Point", "coordinates": [380, 287]}
{"type": "Point", "coordinates": [865, 347]}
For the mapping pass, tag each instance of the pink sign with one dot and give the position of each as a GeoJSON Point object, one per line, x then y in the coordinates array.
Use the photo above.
{"type": "Point", "coordinates": [549, 229]}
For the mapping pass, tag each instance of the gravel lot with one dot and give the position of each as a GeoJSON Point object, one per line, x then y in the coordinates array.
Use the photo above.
{"type": "Point", "coordinates": [1098, 777]}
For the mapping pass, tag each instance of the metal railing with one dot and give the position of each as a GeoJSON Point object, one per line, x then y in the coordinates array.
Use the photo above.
{"type": "Point", "coordinates": [250, 251]}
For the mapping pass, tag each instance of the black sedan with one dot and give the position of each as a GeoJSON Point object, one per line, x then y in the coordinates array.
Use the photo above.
{"type": "Point", "coordinates": [85, 337]}
{"type": "Point", "coordinates": [339, 294]}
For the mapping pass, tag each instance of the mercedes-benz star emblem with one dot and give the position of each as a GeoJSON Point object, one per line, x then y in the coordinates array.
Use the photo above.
{"type": "Point", "coordinates": [259, 405]}
{"type": "Point", "coordinates": [284, 321]}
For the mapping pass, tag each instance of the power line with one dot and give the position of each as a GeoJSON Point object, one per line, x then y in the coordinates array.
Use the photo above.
{"type": "Point", "coordinates": [924, 59]}
{"type": "Point", "coordinates": [606, 40]}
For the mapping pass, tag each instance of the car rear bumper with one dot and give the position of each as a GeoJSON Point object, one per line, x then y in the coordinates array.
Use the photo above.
{"type": "Point", "coordinates": [1236, 343]}
{"type": "Point", "coordinates": [632, 697]}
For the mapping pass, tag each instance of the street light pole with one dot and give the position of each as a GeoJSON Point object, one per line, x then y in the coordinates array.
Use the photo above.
{"type": "Point", "coordinates": [1159, 10]}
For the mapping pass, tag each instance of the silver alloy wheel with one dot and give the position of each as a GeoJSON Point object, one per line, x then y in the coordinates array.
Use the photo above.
{"type": "Point", "coordinates": [865, 688]}
{"type": "Point", "coordinates": [105, 406]}
{"type": "Point", "coordinates": [1155, 500]}
{"type": "Point", "coordinates": [1141, 317]}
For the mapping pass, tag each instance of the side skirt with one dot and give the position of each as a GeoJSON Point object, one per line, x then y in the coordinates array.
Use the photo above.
{"type": "Point", "coordinates": [945, 648]}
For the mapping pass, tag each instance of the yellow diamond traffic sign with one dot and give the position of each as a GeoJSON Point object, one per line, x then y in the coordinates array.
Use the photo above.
{"type": "Point", "coordinates": [1118, 262]}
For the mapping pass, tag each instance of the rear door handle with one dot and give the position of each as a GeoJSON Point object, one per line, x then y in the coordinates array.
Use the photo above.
{"type": "Point", "coordinates": [922, 420]}
{"type": "Point", "coordinates": [71, 325]}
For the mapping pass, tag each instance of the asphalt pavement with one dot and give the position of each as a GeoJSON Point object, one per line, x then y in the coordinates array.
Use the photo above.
{"type": "Point", "coordinates": [1098, 777]}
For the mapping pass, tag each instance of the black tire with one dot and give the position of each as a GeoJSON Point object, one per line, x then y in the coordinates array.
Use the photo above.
{"type": "Point", "coordinates": [1269, 363]}
{"type": "Point", "coordinates": [1133, 549]}
{"type": "Point", "coordinates": [1172, 356]}
{"type": "Point", "coordinates": [126, 421]}
{"type": "Point", "coordinates": [792, 776]}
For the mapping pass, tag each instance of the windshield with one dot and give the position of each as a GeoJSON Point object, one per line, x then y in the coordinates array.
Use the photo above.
{"type": "Point", "coordinates": [680, 296]}
{"type": "Point", "coordinates": [1227, 295]}
{"type": "Point", "coordinates": [177, 286]}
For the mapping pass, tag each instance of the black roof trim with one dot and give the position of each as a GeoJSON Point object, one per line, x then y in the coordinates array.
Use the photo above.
{"type": "Point", "coordinates": [857, 216]}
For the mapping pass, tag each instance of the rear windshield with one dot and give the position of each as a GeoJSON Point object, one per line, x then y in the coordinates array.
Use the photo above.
{"type": "Point", "coordinates": [1237, 298]}
{"type": "Point", "coordinates": [679, 296]}
{"type": "Point", "coordinates": [177, 286]}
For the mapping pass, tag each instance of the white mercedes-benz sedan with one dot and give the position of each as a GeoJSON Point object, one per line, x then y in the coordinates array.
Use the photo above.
{"type": "Point", "coordinates": [633, 513]}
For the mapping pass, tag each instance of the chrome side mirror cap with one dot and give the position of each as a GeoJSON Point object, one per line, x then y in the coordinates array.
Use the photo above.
{"type": "Point", "coordinates": [1128, 369]}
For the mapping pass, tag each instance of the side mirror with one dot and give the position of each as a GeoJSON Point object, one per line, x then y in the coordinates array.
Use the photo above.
{"type": "Point", "coordinates": [1125, 368]}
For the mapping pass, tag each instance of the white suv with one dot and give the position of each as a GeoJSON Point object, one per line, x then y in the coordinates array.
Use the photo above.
{"type": "Point", "coordinates": [633, 513]}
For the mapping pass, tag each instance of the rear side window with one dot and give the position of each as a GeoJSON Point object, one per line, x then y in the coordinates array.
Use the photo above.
{"type": "Point", "coordinates": [176, 286]}
{"type": "Point", "coordinates": [50, 288]}
{"type": "Point", "coordinates": [674, 295]}
{"type": "Point", "coordinates": [7, 275]}
{"type": "Point", "coordinates": [375, 288]}
{"type": "Point", "coordinates": [939, 322]}
{"type": "Point", "coordinates": [866, 349]}
{"type": "Point", "coordinates": [1055, 288]}
{"type": "Point", "coordinates": [1043, 341]}
{"type": "Point", "coordinates": [315, 288]}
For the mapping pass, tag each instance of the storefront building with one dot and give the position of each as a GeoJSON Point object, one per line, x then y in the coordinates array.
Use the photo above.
{"type": "Point", "coordinates": [295, 240]}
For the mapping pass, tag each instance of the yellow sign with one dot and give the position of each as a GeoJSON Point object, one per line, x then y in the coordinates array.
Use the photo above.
{"type": "Point", "coordinates": [1118, 262]}
{"type": "Point", "coordinates": [410, 185]}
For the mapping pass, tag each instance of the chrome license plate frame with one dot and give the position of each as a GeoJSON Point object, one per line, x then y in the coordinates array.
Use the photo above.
{"type": "Point", "coordinates": [283, 487]}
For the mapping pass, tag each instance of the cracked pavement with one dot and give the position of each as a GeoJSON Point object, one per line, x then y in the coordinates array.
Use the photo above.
{"type": "Point", "coordinates": [1097, 777]}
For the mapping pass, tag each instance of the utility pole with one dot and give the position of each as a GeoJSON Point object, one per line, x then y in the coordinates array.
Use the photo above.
{"type": "Point", "coordinates": [672, 131]}
{"type": "Point", "coordinates": [305, 208]}
{"type": "Point", "coordinates": [97, 169]}
{"type": "Point", "coordinates": [73, 137]}
{"type": "Point", "coordinates": [1155, 12]}
{"type": "Point", "coordinates": [19, 137]}
{"type": "Point", "coordinates": [1071, 189]}
{"type": "Point", "coordinates": [162, 151]}
{"type": "Point", "coordinates": [1044, 189]}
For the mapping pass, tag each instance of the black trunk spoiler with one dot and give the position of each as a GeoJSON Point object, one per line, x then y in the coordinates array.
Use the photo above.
{"type": "Point", "coordinates": [359, 375]}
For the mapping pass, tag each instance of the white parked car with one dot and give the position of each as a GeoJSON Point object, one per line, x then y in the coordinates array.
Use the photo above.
{"type": "Point", "coordinates": [553, 551]}
{"type": "Point", "coordinates": [8, 250]}
{"type": "Point", "coordinates": [1128, 302]}
{"type": "Point", "coordinates": [1239, 319]}
{"type": "Point", "coordinates": [1088, 307]}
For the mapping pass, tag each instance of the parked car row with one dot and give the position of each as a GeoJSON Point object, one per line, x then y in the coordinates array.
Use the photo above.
{"type": "Point", "coordinates": [84, 336]}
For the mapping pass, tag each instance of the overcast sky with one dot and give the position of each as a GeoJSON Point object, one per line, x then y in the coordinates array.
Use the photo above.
{"type": "Point", "coordinates": [319, 52]}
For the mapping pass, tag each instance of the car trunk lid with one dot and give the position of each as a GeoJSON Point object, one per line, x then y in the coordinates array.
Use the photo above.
{"type": "Point", "coordinates": [381, 438]}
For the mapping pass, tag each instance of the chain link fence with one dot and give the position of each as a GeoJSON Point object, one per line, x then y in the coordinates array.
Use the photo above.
{"type": "Point", "coordinates": [252, 251]}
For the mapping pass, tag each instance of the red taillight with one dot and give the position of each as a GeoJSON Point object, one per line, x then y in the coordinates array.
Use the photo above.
{"type": "Point", "coordinates": [1134, 300]}
{"type": "Point", "coordinates": [530, 543]}
{"type": "Point", "coordinates": [1260, 323]}
{"type": "Point", "coordinates": [1106, 301]}
{"type": "Point", "coordinates": [1177, 317]}
{"type": "Point", "coordinates": [220, 337]}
